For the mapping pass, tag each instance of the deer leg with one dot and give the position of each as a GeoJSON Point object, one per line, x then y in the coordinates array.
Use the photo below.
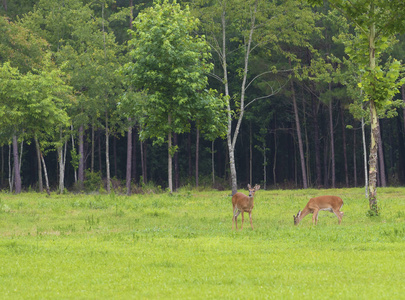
{"type": "Point", "coordinates": [250, 217]}
{"type": "Point", "coordinates": [315, 217]}
{"type": "Point", "coordinates": [235, 218]}
{"type": "Point", "coordinates": [339, 215]}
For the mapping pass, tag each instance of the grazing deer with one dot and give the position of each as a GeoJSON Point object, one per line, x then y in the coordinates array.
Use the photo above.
{"type": "Point", "coordinates": [314, 205]}
{"type": "Point", "coordinates": [242, 203]}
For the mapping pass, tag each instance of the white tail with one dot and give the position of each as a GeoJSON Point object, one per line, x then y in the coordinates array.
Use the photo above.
{"type": "Point", "coordinates": [242, 203]}
{"type": "Point", "coordinates": [314, 205]}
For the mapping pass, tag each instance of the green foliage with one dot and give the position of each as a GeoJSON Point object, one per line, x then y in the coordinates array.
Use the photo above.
{"type": "Point", "coordinates": [170, 64]}
{"type": "Point", "coordinates": [20, 46]}
{"type": "Point", "coordinates": [374, 35]}
{"type": "Point", "coordinates": [182, 246]}
{"type": "Point", "coordinates": [382, 84]}
{"type": "Point", "coordinates": [33, 101]}
{"type": "Point", "coordinates": [93, 181]}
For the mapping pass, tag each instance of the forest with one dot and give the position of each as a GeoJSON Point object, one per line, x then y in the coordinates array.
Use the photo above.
{"type": "Point", "coordinates": [102, 95]}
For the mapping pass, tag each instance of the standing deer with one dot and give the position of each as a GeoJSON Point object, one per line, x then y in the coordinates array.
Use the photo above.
{"type": "Point", "coordinates": [242, 203]}
{"type": "Point", "coordinates": [314, 205]}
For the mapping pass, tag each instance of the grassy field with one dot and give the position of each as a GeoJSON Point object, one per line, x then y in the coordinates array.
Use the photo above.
{"type": "Point", "coordinates": [181, 246]}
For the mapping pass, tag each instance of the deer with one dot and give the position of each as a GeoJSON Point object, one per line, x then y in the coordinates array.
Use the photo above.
{"type": "Point", "coordinates": [242, 203]}
{"type": "Point", "coordinates": [314, 205]}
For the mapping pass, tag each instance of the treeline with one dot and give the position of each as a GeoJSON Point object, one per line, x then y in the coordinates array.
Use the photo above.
{"type": "Point", "coordinates": [104, 95]}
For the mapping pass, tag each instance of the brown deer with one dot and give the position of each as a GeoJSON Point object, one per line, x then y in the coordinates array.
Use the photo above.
{"type": "Point", "coordinates": [242, 203]}
{"type": "Point", "coordinates": [314, 205]}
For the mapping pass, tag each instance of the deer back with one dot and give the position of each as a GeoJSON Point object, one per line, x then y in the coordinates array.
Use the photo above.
{"type": "Point", "coordinates": [325, 202]}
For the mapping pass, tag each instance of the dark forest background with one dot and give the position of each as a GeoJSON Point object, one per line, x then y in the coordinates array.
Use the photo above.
{"type": "Point", "coordinates": [267, 150]}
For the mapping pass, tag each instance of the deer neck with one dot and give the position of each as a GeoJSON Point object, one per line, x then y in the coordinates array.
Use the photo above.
{"type": "Point", "coordinates": [304, 212]}
{"type": "Point", "coordinates": [251, 201]}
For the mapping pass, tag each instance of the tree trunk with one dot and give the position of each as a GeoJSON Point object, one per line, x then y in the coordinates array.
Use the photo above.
{"type": "Point", "coordinates": [232, 139]}
{"type": "Point", "coordinates": [275, 158]}
{"type": "Point", "coordinates": [344, 145]}
{"type": "Point", "coordinates": [92, 149]}
{"type": "Point", "coordinates": [295, 160]}
{"type": "Point", "coordinates": [17, 175]}
{"type": "Point", "coordinates": [107, 153]}
{"type": "Point", "coordinates": [10, 172]}
{"type": "Point", "coordinates": [115, 155]}
{"type": "Point", "coordinates": [40, 184]}
{"type": "Point", "coordinates": [213, 162]}
{"type": "Point", "coordinates": [317, 145]}
{"type": "Point", "coordinates": [2, 167]}
{"type": "Point", "coordinates": [300, 144]}
{"type": "Point", "coordinates": [190, 166]}
{"type": "Point", "coordinates": [332, 140]}
{"type": "Point", "coordinates": [363, 134]}
{"type": "Point", "coordinates": [48, 191]}
{"type": "Point", "coordinates": [226, 86]}
{"type": "Point", "coordinates": [134, 155]}
{"type": "Point", "coordinates": [403, 99]}
{"type": "Point", "coordinates": [383, 180]}
{"type": "Point", "coordinates": [264, 164]}
{"type": "Point", "coordinates": [131, 15]}
{"type": "Point", "coordinates": [99, 152]}
{"type": "Point", "coordinates": [325, 165]}
{"type": "Point", "coordinates": [169, 157]}
{"type": "Point", "coordinates": [197, 153]}
{"type": "Point", "coordinates": [143, 163]}
{"type": "Point", "coordinates": [373, 159]}
{"type": "Point", "coordinates": [250, 154]}
{"type": "Point", "coordinates": [73, 148]}
{"type": "Point", "coordinates": [354, 159]}
{"type": "Point", "coordinates": [62, 165]}
{"type": "Point", "coordinates": [308, 150]}
{"type": "Point", "coordinates": [129, 159]}
{"type": "Point", "coordinates": [374, 130]}
{"type": "Point", "coordinates": [81, 158]}
{"type": "Point", "coordinates": [145, 152]}
{"type": "Point", "coordinates": [129, 141]}
{"type": "Point", "coordinates": [176, 163]}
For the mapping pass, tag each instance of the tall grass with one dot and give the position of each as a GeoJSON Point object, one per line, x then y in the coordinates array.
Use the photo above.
{"type": "Point", "coordinates": [181, 246]}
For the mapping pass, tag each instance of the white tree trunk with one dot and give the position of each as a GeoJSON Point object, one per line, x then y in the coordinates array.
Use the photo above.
{"type": "Point", "coordinates": [46, 176]}
{"type": "Point", "coordinates": [107, 153]}
{"type": "Point", "coordinates": [170, 156]}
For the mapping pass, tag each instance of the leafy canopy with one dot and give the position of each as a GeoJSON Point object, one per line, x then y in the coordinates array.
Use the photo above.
{"type": "Point", "coordinates": [170, 64]}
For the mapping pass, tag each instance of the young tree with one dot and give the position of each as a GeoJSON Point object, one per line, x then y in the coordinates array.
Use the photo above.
{"type": "Point", "coordinates": [23, 51]}
{"type": "Point", "coordinates": [210, 117]}
{"type": "Point", "coordinates": [377, 21]}
{"type": "Point", "coordinates": [170, 63]}
{"type": "Point", "coordinates": [32, 104]}
{"type": "Point", "coordinates": [87, 50]}
{"type": "Point", "coordinates": [238, 31]}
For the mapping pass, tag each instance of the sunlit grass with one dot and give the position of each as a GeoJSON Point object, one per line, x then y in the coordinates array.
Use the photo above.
{"type": "Point", "coordinates": [181, 246]}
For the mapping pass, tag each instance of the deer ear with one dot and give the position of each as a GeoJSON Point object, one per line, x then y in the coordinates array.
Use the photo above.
{"type": "Point", "coordinates": [257, 187]}
{"type": "Point", "coordinates": [249, 187]}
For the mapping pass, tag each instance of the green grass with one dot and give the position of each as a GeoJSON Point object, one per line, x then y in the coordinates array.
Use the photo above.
{"type": "Point", "coordinates": [181, 246]}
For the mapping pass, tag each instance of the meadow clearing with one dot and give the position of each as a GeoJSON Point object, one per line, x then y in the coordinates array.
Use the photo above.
{"type": "Point", "coordinates": [181, 246]}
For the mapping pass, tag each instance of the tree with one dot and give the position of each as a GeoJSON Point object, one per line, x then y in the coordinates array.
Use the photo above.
{"type": "Point", "coordinates": [87, 51]}
{"type": "Point", "coordinates": [32, 104]}
{"type": "Point", "coordinates": [170, 64]}
{"type": "Point", "coordinates": [209, 115]}
{"type": "Point", "coordinates": [377, 21]}
{"type": "Point", "coordinates": [23, 51]}
{"type": "Point", "coordinates": [239, 31]}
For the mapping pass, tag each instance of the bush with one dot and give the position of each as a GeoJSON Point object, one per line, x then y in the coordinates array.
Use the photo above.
{"type": "Point", "coordinates": [93, 181]}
